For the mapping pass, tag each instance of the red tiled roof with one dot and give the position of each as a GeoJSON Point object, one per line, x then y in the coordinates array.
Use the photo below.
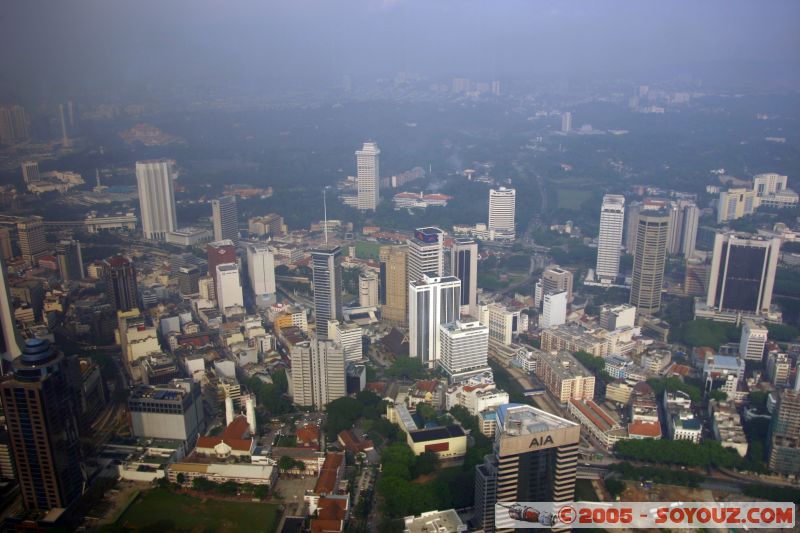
{"type": "Point", "coordinates": [233, 436]}
{"type": "Point", "coordinates": [326, 483]}
{"type": "Point", "coordinates": [470, 388]}
{"type": "Point", "coordinates": [426, 386]}
{"type": "Point", "coordinates": [681, 370]}
{"type": "Point", "coordinates": [308, 434]}
{"type": "Point", "coordinates": [642, 388]}
{"type": "Point", "coordinates": [378, 387]}
{"type": "Point", "coordinates": [332, 508]}
{"type": "Point", "coordinates": [593, 412]}
{"type": "Point", "coordinates": [645, 429]}
{"type": "Point", "coordinates": [118, 260]}
{"type": "Point", "coordinates": [354, 444]}
{"type": "Point", "coordinates": [327, 526]}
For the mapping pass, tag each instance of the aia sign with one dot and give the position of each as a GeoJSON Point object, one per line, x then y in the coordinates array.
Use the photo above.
{"type": "Point", "coordinates": [538, 442]}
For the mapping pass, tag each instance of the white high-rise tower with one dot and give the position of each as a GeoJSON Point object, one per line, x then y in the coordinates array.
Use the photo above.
{"type": "Point", "coordinates": [432, 301]}
{"type": "Point", "coordinates": [261, 272]}
{"type": "Point", "coordinates": [502, 204]}
{"type": "Point", "coordinates": [229, 287]}
{"type": "Point", "coordinates": [368, 176]}
{"type": "Point", "coordinates": [612, 221]}
{"type": "Point", "coordinates": [10, 338]}
{"type": "Point", "coordinates": [425, 254]}
{"type": "Point", "coordinates": [156, 198]}
{"type": "Point", "coordinates": [225, 217]}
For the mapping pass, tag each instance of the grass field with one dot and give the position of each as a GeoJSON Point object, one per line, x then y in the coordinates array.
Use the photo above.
{"type": "Point", "coordinates": [367, 249]}
{"type": "Point", "coordinates": [169, 511]}
{"type": "Point", "coordinates": [572, 198]}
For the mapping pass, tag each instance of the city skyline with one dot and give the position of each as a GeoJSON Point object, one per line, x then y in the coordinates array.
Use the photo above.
{"type": "Point", "coordinates": [394, 265]}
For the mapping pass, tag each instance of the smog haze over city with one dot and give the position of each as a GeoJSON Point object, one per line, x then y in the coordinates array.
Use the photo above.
{"type": "Point", "coordinates": [398, 265]}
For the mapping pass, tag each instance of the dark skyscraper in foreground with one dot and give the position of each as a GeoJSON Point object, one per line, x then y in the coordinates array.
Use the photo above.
{"type": "Point", "coordinates": [652, 234]}
{"type": "Point", "coordinates": [535, 460]}
{"type": "Point", "coordinates": [42, 428]}
{"type": "Point", "coordinates": [464, 266]}
{"type": "Point", "coordinates": [225, 217]}
{"type": "Point", "coordinates": [743, 271]}
{"type": "Point", "coordinates": [121, 283]}
{"type": "Point", "coordinates": [327, 267]}
{"type": "Point", "coordinates": [70, 260]}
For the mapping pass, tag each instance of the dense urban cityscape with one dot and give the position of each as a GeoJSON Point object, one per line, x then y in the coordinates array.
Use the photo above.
{"type": "Point", "coordinates": [397, 303]}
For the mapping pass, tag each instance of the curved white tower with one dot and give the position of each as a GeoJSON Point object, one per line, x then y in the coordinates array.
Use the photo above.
{"type": "Point", "coordinates": [250, 409]}
{"type": "Point", "coordinates": [228, 410]}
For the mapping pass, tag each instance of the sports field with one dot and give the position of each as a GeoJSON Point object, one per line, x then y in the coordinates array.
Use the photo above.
{"type": "Point", "coordinates": [164, 510]}
{"type": "Point", "coordinates": [572, 199]}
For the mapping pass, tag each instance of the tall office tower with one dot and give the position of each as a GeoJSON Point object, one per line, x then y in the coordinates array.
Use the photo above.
{"type": "Point", "coordinates": [617, 316]}
{"type": "Point", "coordinates": [784, 432]}
{"type": "Point", "coordinates": [742, 272]}
{"type": "Point", "coordinates": [768, 184]}
{"type": "Point", "coordinates": [695, 280]}
{"type": "Point", "coordinates": [554, 310]}
{"type": "Point", "coordinates": [70, 260]}
{"type": "Point", "coordinates": [649, 261]}
{"type": "Point", "coordinates": [271, 224]}
{"type": "Point", "coordinates": [327, 273]}
{"type": "Point", "coordinates": [121, 288]}
{"type": "Point", "coordinates": [631, 222]}
{"type": "Point", "coordinates": [156, 198]}
{"type": "Point", "coordinates": [394, 284]}
{"type": "Point", "coordinates": [32, 240]}
{"type": "Point", "coordinates": [368, 176]}
{"type": "Point", "coordinates": [612, 217]}
{"type": "Point", "coordinates": [64, 137]}
{"type": "Point", "coordinates": [10, 339]}
{"type": "Point", "coordinates": [13, 124]}
{"type": "Point", "coordinates": [535, 460]}
{"type": "Point", "coordinates": [425, 254]}
{"type": "Point", "coordinates": [318, 373]}
{"type": "Point", "coordinates": [71, 114]}
{"type": "Point", "coordinates": [348, 335]}
{"type": "Point", "coordinates": [225, 217]}
{"type": "Point", "coordinates": [188, 281]}
{"type": "Point", "coordinates": [368, 289]}
{"type": "Point", "coordinates": [432, 302]}
{"type": "Point", "coordinates": [464, 266]}
{"type": "Point", "coordinates": [261, 271]}
{"type": "Point", "coordinates": [206, 287]}
{"type": "Point", "coordinates": [496, 88]}
{"type": "Point", "coordinates": [556, 279]}
{"type": "Point", "coordinates": [6, 251]}
{"type": "Point", "coordinates": [736, 203]}
{"type": "Point", "coordinates": [172, 410]}
{"type": "Point", "coordinates": [502, 205]}
{"type": "Point", "coordinates": [30, 171]}
{"type": "Point", "coordinates": [229, 287]}
{"type": "Point", "coordinates": [691, 224]}
{"type": "Point", "coordinates": [753, 341]}
{"type": "Point", "coordinates": [683, 220]}
{"type": "Point", "coordinates": [465, 349]}
{"type": "Point", "coordinates": [42, 427]}
{"type": "Point", "coordinates": [219, 253]}
{"type": "Point", "coordinates": [566, 122]}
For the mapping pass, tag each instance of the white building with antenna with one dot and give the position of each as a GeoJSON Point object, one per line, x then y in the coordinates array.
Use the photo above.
{"type": "Point", "coordinates": [368, 176]}
{"type": "Point", "coordinates": [502, 207]}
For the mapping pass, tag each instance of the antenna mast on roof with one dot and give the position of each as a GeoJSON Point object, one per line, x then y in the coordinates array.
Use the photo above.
{"type": "Point", "coordinates": [325, 213]}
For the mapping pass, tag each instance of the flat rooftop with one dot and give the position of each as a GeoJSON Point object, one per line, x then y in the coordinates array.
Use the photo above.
{"type": "Point", "coordinates": [444, 432]}
{"type": "Point", "coordinates": [564, 365]}
{"type": "Point", "coordinates": [438, 521]}
{"type": "Point", "coordinates": [516, 419]}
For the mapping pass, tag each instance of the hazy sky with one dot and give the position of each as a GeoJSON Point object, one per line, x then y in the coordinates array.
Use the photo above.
{"type": "Point", "coordinates": [63, 45]}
